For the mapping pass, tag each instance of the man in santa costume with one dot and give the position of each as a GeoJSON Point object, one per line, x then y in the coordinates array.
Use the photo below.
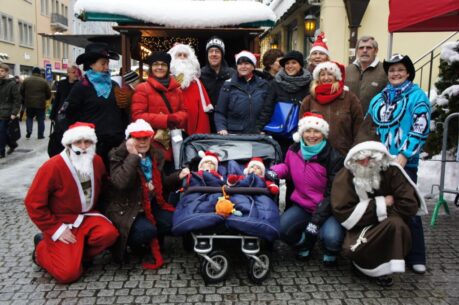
{"type": "Point", "coordinates": [185, 69]}
{"type": "Point", "coordinates": [373, 198]}
{"type": "Point", "coordinates": [62, 203]}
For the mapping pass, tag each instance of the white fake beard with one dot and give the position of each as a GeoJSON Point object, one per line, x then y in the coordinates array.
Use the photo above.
{"type": "Point", "coordinates": [187, 68]}
{"type": "Point", "coordinates": [83, 162]}
{"type": "Point", "coordinates": [367, 178]}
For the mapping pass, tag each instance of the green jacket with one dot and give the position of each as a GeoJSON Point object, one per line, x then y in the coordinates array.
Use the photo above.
{"type": "Point", "coordinates": [35, 91]}
{"type": "Point", "coordinates": [10, 99]}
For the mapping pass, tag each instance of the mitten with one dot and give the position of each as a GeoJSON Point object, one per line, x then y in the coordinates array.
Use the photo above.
{"type": "Point", "coordinates": [167, 207]}
{"type": "Point", "coordinates": [311, 234]}
{"type": "Point", "coordinates": [272, 176]}
{"type": "Point", "coordinates": [232, 179]}
{"type": "Point", "coordinates": [172, 121]}
{"type": "Point", "coordinates": [123, 96]}
{"type": "Point", "coordinates": [273, 189]}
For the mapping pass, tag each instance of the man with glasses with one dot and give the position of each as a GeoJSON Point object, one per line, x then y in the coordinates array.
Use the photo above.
{"type": "Point", "coordinates": [365, 77]}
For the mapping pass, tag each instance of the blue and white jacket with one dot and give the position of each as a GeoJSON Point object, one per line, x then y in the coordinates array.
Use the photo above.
{"type": "Point", "coordinates": [402, 124]}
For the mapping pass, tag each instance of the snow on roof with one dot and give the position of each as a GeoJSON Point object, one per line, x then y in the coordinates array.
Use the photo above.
{"type": "Point", "coordinates": [182, 13]}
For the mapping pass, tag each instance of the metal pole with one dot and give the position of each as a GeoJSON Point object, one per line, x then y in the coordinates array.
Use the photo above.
{"type": "Point", "coordinates": [430, 73]}
{"type": "Point", "coordinates": [389, 45]}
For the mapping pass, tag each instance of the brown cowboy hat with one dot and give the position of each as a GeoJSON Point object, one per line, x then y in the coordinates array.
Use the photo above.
{"type": "Point", "coordinates": [94, 51]}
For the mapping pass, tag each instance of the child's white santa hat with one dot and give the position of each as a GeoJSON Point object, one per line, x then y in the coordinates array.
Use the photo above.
{"type": "Point", "coordinates": [337, 69]}
{"type": "Point", "coordinates": [311, 120]}
{"type": "Point", "coordinates": [79, 131]}
{"type": "Point", "coordinates": [255, 161]}
{"type": "Point", "coordinates": [320, 45]}
{"type": "Point", "coordinates": [139, 129]}
{"type": "Point", "coordinates": [208, 156]}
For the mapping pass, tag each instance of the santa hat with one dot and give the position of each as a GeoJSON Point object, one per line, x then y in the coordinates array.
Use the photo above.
{"type": "Point", "coordinates": [334, 67]}
{"type": "Point", "coordinates": [248, 56]}
{"type": "Point", "coordinates": [320, 45]}
{"type": "Point", "coordinates": [255, 161]}
{"type": "Point", "coordinates": [208, 156]}
{"type": "Point", "coordinates": [374, 149]}
{"type": "Point", "coordinates": [311, 120]}
{"type": "Point", "coordinates": [79, 131]}
{"type": "Point", "coordinates": [139, 129]}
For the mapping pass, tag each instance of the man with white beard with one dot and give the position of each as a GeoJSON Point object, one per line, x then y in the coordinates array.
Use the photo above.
{"type": "Point", "coordinates": [373, 198]}
{"type": "Point", "coordinates": [62, 203]}
{"type": "Point", "coordinates": [185, 69]}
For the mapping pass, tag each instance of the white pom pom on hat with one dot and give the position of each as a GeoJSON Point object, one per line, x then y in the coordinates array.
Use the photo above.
{"type": "Point", "coordinates": [311, 120]}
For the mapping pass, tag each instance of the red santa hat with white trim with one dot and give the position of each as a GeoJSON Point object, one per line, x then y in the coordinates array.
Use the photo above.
{"type": "Point", "coordinates": [255, 162]}
{"type": "Point", "coordinates": [311, 120]}
{"type": "Point", "coordinates": [208, 156]}
{"type": "Point", "coordinates": [79, 131]}
{"type": "Point", "coordinates": [139, 129]}
{"type": "Point", "coordinates": [337, 69]}
{"type": "Point", "coordinates": [320, 45]}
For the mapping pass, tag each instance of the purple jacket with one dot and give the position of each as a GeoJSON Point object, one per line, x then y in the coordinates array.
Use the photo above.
{"type": "Point", "coordinates": [312, 179]}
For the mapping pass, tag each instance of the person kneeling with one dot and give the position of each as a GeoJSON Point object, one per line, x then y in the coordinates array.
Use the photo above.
{"type": "Point", "coordinates": [62, 203]}
{"type": "Point", "coordinates": [136, 205]}
{"type": "Point", "coordinates": [373, 198]}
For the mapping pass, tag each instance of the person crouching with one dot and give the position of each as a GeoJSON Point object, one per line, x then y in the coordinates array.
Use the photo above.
{"type": "Point", "coordinates": [62, 203]}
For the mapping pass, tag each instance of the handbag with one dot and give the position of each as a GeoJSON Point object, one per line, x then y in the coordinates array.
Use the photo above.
{"type": "Point", "coordinates": [13, 131]}
{"type": "Point", "coordinates": [284, 120]}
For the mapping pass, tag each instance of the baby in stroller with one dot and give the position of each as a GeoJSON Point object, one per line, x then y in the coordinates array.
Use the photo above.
{"type": "Point", "coordinates": [256, 215]}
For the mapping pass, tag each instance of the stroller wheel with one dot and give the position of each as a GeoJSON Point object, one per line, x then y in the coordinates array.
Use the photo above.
{"type": "Point", "coordinates": [259, 268]}
{"type": "Point", "coordinates": [216, 268]}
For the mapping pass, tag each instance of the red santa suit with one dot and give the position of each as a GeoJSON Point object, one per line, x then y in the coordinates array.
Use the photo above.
{"type": "Point", "coordinates": [197, 103]}
{"type": "Point", "coordinates": [55, 201]}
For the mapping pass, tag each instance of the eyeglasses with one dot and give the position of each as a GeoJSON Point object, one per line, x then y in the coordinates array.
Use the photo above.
{"type": "Point", "coordinates": [159, 64]}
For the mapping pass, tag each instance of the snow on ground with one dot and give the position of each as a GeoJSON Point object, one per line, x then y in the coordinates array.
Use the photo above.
{"type": "Point", "coordinates": [16, 179]}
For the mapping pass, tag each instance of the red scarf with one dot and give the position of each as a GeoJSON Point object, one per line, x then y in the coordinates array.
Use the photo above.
{"type": "Point", "coordinates": [324, 95]}
{"type": "Point", "coordinates": [157, 183]}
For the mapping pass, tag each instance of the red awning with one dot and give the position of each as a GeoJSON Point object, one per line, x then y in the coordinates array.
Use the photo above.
{"type": "Point", "coordinates": [423, 15]}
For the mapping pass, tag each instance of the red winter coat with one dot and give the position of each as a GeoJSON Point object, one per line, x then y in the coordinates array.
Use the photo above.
{"type": "Point", "coordinates": [56, 197]}
{"type": "Point", "coordinates": [148, 104]}
{"type": "Point", "coordinates": [198, 120]}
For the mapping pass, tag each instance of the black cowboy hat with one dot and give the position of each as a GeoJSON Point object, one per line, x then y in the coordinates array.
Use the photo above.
{"type": "Point", "coordinates": [94, 51]}
{"type": "Point", "coordinates": [401, 59]}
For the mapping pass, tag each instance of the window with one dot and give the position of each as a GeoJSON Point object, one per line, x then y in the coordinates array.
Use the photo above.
{"type": "Point", "coordinates": [56, 49]}
{"type": "Point", "coordinates": [45, 47]}
{"type": "Point", "coordinates": [45, 7]}
{"type": "Point", "coordinates": [6, 28]}
{"type": "Point", "coordinates": [55, 7]}
{"type": "Point", "coordinates": [25, 34]}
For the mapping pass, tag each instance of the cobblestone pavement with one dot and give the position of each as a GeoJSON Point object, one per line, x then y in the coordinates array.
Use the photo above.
{"type": "Point", "coordinates": [179, 281]}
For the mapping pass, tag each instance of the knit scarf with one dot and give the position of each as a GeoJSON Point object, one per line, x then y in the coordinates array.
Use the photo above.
{"type": "Point", "coordinates": [310, 151]}
{"type": "Point", "coordinates": [393, 93]}
{"type": "Point", "coordinates": [164, 81]}
{"type": "Point", "coordinates": [101, 81]}
{"type": "Point", "coordinates": [295, 83]}
{"type": "Point", "coordinates": [157, 183]}
{"type": "Point", "coordinates": [324, 95]}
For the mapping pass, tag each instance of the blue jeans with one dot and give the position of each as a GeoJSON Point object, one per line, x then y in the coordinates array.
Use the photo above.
{"type": "Point", "coordinates": [417, 254]}
{"type": "Point", "coordinates": [294, 221]}
{"type": "Point", "coordinates": [40, 115]}
{"type": "Point", "coordinates": [3, 136]}
{"type": "Point", "coordinates": [143, 231]}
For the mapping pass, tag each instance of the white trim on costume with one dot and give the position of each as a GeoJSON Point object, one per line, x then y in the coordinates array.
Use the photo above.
{"type": "Point", "coordinates": [356, 215]}
{"type": "Point", "coordinates": [392, 266]}
{"type": "Point", "coordinates": [381, 208]}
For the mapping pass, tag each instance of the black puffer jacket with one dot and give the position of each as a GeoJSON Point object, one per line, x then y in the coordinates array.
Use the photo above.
{"type": "Point", "coordinates": [10, 99]}
{"type": "Point", "coordinates": [213, 81]}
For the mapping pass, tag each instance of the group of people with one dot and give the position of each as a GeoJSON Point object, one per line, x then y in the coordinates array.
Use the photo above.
{"type": "Point", "coordinates": [351, 164]}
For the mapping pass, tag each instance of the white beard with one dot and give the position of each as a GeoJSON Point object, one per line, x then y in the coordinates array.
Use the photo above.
{"type": "Point", "coordinates": [187, 68]}
{"type": "Point", "coordinates": [83, 162]}
{"type": "Point", "coordinates": [367, 178]}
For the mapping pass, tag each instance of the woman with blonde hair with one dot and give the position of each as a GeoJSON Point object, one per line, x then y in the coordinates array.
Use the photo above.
{"type": "Point", "coordinates": [336, 103]}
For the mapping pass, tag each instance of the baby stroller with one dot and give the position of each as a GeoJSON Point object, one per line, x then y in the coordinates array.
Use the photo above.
{"type": "Point", "coordinates": [195, 214]}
